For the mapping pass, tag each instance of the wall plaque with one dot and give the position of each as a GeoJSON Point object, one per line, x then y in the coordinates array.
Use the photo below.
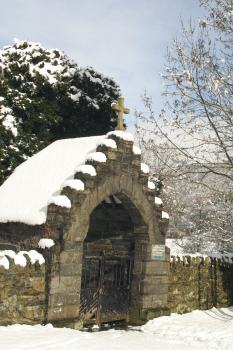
{"type": "Point", "coordinates": [158, 252]}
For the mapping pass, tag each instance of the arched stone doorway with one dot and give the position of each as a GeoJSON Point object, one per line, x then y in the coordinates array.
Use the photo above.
{"type": "Point", "coordinates": [123, 176]}
{"type": "Point", "coordinates": [108, 261]}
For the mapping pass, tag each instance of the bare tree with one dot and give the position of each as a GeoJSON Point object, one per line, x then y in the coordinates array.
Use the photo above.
{"type": "Point", "coordinates": [190, 143]}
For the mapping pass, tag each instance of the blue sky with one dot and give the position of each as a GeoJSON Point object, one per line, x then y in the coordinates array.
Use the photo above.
{"type": "Point", "coordinates": [124, 39]}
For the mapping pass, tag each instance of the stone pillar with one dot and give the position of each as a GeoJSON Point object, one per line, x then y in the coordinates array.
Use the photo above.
{"type": "Point", "coordinates": [141, 244]}
{"type": "Point", "coordinates": [65, 285]}
{"type": "Point", "coordinates": [154, 286]}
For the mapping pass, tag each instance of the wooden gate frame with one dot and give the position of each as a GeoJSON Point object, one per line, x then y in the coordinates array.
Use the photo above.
{"type": "Point", "coordinates": [100, 287]}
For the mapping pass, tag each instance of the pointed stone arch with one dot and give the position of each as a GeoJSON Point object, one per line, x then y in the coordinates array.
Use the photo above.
{"type": "Point", "coordinates": [140, 208]}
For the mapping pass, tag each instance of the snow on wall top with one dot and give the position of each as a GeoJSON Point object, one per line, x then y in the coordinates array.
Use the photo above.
{"type": "Point", "coordinates": [25, 194]}
{"type": "Point", "coordinates": [122, 134]}
{"type": "Point", "coordinates": [46, 243]}
{"type": "Point", "coordinates": [19, 258]}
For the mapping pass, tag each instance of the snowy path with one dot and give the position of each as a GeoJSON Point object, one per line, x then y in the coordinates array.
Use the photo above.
{"type": "Point", "coordinates": [212, 329]}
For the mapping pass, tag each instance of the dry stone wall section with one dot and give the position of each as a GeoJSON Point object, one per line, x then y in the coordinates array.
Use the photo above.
{"type": "Point", "coordinates": [199, 283]}
{"type": "Point", "coordinates": [22, 294]}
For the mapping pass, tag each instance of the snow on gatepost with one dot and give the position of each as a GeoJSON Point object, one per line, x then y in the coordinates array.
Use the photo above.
{"type": "Point", "coordinates": [151, 185]}
{"type": "Point", "coordinates": [86, 169]}
{"type": "Point", "coordinates": [99, 157]}
{"type": "Point", "coordinates": [122, 135]}
{"type": "Point", "coordinates": [145, 168]}
{"type": "Point", "coordinates": [158, 201]}
{"type": "Point", "coordinates": [19, 258]}
{"type": "Point", "coordinates": [75, 184]}
{"type": "Point", "coordinates": [46, 243]}
{"type": "Point", "coordinates": [164, 214]}
{"type": "Point", "coordinates": [108, 143]}
{"type": "Point", "coordinates": [61, 201]}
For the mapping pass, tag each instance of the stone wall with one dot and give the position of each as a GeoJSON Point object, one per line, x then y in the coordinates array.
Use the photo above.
{"type": "Point", "coordinates": [193, 283]}
{"type": "Point", "coordinates": [18, 236]}
{"type": "Point", "coordinates": [198, 283]}
{"type": "Point", "coordinates": [22, 294]}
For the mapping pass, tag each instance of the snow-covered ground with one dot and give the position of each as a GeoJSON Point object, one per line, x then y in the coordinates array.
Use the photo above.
{"type": "Point", "coordinates": [199, 330]}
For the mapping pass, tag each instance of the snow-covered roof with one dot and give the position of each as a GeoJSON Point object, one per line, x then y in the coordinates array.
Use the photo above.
{"type": "Point", "coordinates": [24, 196]}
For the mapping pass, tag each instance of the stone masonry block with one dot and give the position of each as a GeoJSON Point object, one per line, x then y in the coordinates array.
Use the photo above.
{"type": "Point", "coordinates": [156, 267]}
{"type": "Point", "coordinates": [147, 288]}
{"type": "Point", "coordinates": [64, 284]}
{"type": "Point", "coordinates": [60, 299]}
{"type": "Point", "coordinates": [63, 312]}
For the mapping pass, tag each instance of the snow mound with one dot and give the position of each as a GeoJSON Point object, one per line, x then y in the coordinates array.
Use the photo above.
{"type": "Point", "coordinates": [35, 256]}
{"type": "Point", "coordinates": [164, 214]}
{"type": "Point", "coordinates": [122, 135]}
{"type": "Point", "coordinates": [99, 157]}
{"type": "Point", "coordinates": [136, 150]}
{"type": "Point", "coordinates": [86, 169]}
{"type": "Point", "coordinates": [46, 243]}
{"type": "Point", "coordinates": [108, 143]}
{"type": "Point", "coordinates": [158, 201]}
{"type": "Point", "coordinates": [151, 185]}
{"type": "Point", "coordinates": [19, 258]}
{"type": "Point", "coordinates": [4, 262]}
{"type": "Point", "coordinates": [60, 200]}
{"type": "Point", "coordinates": [76, 184]}
{"type": "Point", "coordinates": [145, 168]}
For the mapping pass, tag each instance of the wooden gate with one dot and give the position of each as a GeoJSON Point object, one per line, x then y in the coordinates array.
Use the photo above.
{"type": "Point", "coordinates": [105, 290]}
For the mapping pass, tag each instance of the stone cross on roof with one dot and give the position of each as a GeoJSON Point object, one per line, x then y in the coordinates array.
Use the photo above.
{"type": "Point", "coordinates": [120, 108]}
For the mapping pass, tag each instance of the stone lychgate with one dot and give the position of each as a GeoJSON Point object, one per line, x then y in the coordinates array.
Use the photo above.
{"type": "Point", "coordinates": [109, 261]}
{"type": "Point", "coordinates": [132, 215]}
